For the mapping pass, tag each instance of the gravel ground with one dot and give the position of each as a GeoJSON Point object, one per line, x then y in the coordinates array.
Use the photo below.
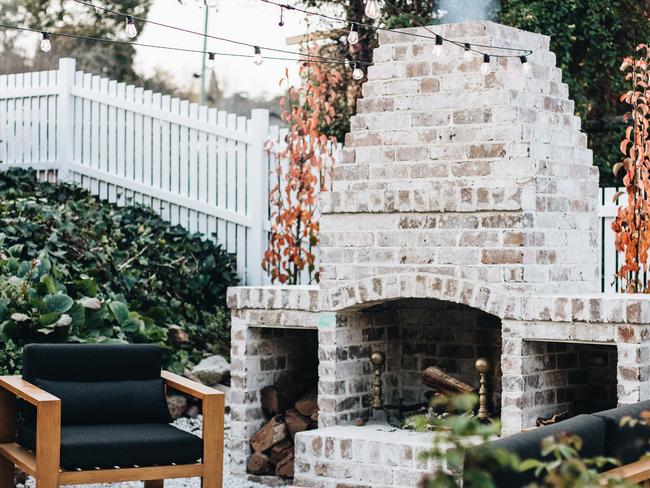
{"type": "Point", "coordinates": [189, 425]}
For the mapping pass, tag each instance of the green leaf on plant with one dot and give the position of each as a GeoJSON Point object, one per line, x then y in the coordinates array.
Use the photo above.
{"type": "Point", "coordinates": [57, 303]}
{"type": "Point", "coordinates": [120, 311]}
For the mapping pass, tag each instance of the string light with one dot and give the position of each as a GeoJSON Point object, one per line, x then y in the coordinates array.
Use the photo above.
{"type": "Point", "coordinates": [218, 38]}
{"type": "Point", "coordinates": [485, 67]}
{"type": "Point", "coordinates": [513, 52]}
{"type": "Point", "coordinates": [212, 3]}
{"type": "Point", "coordinates": [258, 59]}
{"type": "Point", "coordinates": [524, 64]}
{"type": "Point", "coordinates": [281, 23]}
{"type": "Point", "coordinates": [437, 50]}
{"type": "Point", "coordinates": [211, 61]}
{"type": "Point", "coordinates": [357, 73]}
{"type": "Point", "coordinates": [303, 58]}
{"type": "Point", "coordinates": [372, 11]}
{"type": "Point", "coordinates": [353, 36]}
{"type": "Point", "coordinates": [467, 55]}
{"type": "Point", "coordinates": [130, 28]}
{"type": "Point", "coordinates": [46, 45]}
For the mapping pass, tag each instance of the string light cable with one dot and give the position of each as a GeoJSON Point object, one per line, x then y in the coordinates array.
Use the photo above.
{"type": "Point", "coordinates": [257, 49]}
{"type": "Point", "coordinates": [439, 39]}
{"type": "Point", "coordinates": [47, 35]}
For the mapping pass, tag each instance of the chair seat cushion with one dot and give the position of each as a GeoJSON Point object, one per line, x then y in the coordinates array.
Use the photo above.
{"type": "Point", "coordinates": [123, 445]}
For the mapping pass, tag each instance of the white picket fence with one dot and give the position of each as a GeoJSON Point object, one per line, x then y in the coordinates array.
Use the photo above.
{"type": "Point", "coordinates": [204, 169]}
{"type": "Point", "coordinates": [610, 260]}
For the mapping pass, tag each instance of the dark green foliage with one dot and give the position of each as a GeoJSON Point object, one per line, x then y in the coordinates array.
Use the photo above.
{"type": "Point", "coordinates": [129, 254]}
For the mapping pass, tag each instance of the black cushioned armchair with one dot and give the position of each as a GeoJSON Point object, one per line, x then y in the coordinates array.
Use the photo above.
{"type": "Point", "coordinates": [97, 413]}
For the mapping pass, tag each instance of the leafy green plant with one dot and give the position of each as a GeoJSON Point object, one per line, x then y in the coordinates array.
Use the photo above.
{"type": "Point", "coordinates": [35, 306]}
{"type": "Point", "coordinates": [129, 254]}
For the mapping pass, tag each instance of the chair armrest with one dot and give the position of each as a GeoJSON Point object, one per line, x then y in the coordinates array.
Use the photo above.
{"type": "Point", "coordinates": [632, 473]}
{"type": "Point", "coordinates": [190, 387]}
{"type": "Point", "coordinates": [25, 390]}
{"type": "Point", "coordinates": [48, 424]}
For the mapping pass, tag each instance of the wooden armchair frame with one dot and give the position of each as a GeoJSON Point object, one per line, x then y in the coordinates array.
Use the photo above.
{"type": "Point", "coordinates": [44, 465]}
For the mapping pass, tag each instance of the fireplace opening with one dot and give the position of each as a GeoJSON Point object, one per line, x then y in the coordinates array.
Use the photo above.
{"type": "Point", "coordinates": [284, 376]}
{"type": "Point", "coordinates": [564, 379]}
{"type": "Point", "coordinates": [413, 335]}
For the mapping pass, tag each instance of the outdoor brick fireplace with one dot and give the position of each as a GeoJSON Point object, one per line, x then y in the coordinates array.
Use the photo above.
{"type": "Point", "coordinates": [463, 224]}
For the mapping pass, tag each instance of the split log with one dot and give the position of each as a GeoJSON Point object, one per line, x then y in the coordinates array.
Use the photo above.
{"type": "Point", "coordinates": [308, 403]}
{"type": "Point", "coordinates": [284, 468]}
{"type": "Point", "coordinates": [273, 432]}
{"type": "Point", "coordinates": [259, 464]}
{"type": "Point", "coordinates": [436, 378]}
{"type": "Point", "coordinates": [295, 422]}
{"type": "Point", "coordinates": [276, 399]}
{"type": "Point", "coordinates": [280, 451]}
{"type": "Point", "coordinates": [553, 419]}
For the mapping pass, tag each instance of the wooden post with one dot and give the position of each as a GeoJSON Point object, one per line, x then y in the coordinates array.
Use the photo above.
{"type": "Point", "coordinates": [7, 434]}
{"type": "Point", "coordinates": [213, 417]}
{"type": "Point", "coordinates": [48, 443]}
{"type": "Point", "coordinates": [258, 198]}
{"type": "Point", "coordinates": [65, 114]}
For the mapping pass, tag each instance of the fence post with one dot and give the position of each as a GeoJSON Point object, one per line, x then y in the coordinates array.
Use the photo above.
{"type": "Point", "coordinates": [65, 116]}
{"type": "Point", "coordinates": [258, 175]}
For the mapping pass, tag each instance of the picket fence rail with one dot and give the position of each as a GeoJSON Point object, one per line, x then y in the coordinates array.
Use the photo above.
{"type": "Point", "coordinates": [204, 169]}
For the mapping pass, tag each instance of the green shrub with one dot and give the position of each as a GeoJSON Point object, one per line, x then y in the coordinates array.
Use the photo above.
{"type": "Point", "coordinates": [130, 255]}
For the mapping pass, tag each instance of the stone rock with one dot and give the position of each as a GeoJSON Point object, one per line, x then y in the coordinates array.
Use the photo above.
{"type": "Point", "coordinates": [193, 412]}
{"type": "Point", "coordinates": [212, 370]}
{"type": "Point", "coordinates": [177, 405]}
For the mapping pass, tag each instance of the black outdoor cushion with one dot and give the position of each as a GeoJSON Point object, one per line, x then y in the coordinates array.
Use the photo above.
{"type": "Point", "coordinates": [527, 446]}
{"type": "Point", "coordinates": [124, 445]}
{"type": "Point", "coordinates": [117, 402]}
{"type": "Point", "coordinates": [627, 444]}
{"type": "Point", "coordinates": [91, 362]}
{"type": "Point", "coordinates": [98, 383]}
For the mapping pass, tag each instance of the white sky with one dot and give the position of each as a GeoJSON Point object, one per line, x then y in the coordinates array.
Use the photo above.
{"type": "Point", "coordinates": [245, 20]}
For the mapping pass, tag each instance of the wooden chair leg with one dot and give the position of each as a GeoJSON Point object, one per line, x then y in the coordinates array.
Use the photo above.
{"type": "Point", "coordinates": [7, 469]}
{"type": "Point", "coordinates": [213, 414]}
{"type": "Point", "coordinates": [154, 484]}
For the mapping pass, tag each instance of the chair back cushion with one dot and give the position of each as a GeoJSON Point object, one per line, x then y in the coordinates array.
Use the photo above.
{"type": "Point", "coordinates": [623, 442]}
{"type": "Point", "coordinates": [100, 383]}
{"type": "Point", "coordinates": [527, 445]}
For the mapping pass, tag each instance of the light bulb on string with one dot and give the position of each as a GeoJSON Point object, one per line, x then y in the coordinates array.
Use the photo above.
{"type": "Point", "coordinates": [46, 45]}
{"type": "Point", "coordinates": [258, 59]}
{"type": "Point", "coordinates": [281, 22]}
{"type": "Point", "coordinates": [372, 10]}
{"type": "Point", "coordinates": [357, 73]}
{"type": "Point", "coordinates": [211, 62]}
{"type": "Point", "coordinates": [437, 50]}
{"type": "Point", "coordinates": [353, 36]}
{"type": "Point", "coordinates": [524, 64]}
{"type": "Point", "coordinates": [467, 55]}
{"type": "Point", "coordinates": [485, 67]}
{"type": "Point", "coordinates": [130, 28]}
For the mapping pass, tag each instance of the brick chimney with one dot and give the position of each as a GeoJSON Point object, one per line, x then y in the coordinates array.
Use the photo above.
{"type": "Point", "coordinates": [449, 171]}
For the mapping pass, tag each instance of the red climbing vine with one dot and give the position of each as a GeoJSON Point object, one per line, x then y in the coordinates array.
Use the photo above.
{"type": "Point", "coordinates": [303, 167]}
{"type": "Point", "coordinates": [632, 226]}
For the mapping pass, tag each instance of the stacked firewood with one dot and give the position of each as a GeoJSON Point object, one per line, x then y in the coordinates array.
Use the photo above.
{"type": "Point", "coordinates": [290, 410]}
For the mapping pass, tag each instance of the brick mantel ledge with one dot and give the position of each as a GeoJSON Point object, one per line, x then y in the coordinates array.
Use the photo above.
{"type": "Point", "coordinates": [497, 300]}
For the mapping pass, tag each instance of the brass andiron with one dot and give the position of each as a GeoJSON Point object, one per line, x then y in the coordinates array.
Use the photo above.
{"type": "Point", "coordinates": [482, 366]}
{"type": "Point", "coordinates": [377, 359]}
